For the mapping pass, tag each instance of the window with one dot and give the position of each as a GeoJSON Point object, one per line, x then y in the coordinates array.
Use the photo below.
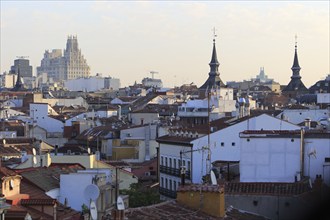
{"type": "Point", "coordinates": [222, 144]}
{"type": "Point", "coordinates": [188, 167]}
{"type": "Point", "coordinates": [233, 144]}
{"type": "Point", "coordinates": [174, 163]}
{"type": "Point", "coordinates": [183, 163]}
{"type": "Point", "coordinates": [162, 182]}
{"type": "Point", "coordinates": [161, 160]}
{"type": "Point", "coordinates": [166, 183]}
{"type": "Point", "coordinates": [166, 161]}
{"type": "Point", "coordinates": [174, 185]}
{"type": "Point", "coordinates": [170, 184]}
{"type": "Point", "coordinates": [170, 160]}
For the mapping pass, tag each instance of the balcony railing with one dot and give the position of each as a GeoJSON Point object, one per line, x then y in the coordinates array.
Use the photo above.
{"type": "Point", "coordinates": [167, 192]}
{"type": "Point", "coordinates": [173, 171]}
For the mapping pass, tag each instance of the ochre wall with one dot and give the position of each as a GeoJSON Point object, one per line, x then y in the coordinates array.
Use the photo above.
{"type": "Point", "coordinates": [212, 203]}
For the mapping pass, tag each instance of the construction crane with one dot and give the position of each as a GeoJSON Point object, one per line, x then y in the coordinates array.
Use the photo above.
{"type": "Point", "coordinates": [153, 73]}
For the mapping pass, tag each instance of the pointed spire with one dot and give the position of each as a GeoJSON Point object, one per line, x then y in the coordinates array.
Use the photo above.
{"type": "Point", "coordinates": [295, 67]}
{"type": "Point", "coordinates": [19, 84]}
{"type": "Point", "coordinates": [213, 80]}
{"type": "Point", "coordinates": [214, 64]}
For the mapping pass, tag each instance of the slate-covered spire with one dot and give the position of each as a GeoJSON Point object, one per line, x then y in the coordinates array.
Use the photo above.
{"type": "Point", "coordinates": [295, 87]}
{"type": "Point", "coordinates": [19, 84]}
{"type": "Point", "coordinates": [213, 80]}
{"type": "Point", "coordinates": [295, 67]}
{"type": "Point", "coordinates": [214, 64]}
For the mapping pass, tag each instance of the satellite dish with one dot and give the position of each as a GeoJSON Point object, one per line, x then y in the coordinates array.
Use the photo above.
{"type": "Point", "coordinates": [120, 203]}
{"type": "Point", "coordinates": [93, 210]}
{"type": "Point", "coordinates": [91, 192]}
{"type": "Point", "coordinates": [213, 178]}
{"type": "Point", "coordinates": [34, 160]}
{"type": "Point", "coordinates": [34, 151]}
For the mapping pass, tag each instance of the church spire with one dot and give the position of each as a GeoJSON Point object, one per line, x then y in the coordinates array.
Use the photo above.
{"type": "Point", "coordinates": [214, 64]}
{"type": "Point", "coordinates": [295, 67]}
{"type": "Point", "coordinates": [213, 80]}
{"type": "Point", "coordinates": [19, 84]}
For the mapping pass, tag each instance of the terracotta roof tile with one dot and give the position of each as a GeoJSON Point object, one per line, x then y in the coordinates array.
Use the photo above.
{"type": "Point", "coordinates": [26, 202]}
{"type": "Point", "coordinates": [203, 188]}
{"type": "Point", "coordinates": [266, 188]}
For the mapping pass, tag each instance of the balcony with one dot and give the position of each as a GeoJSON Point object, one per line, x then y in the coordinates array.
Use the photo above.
{"type": "Point", "coordinates": [173, 171]}
{"type": "Point", "coordinates": [167, 192]}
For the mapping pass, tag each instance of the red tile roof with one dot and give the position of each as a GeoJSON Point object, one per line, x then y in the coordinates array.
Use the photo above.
{"type": "Point", "coordinates": [203, 188]}
{"type": "Point", "coordinates": [171, 210]}
{"type": "Point", "coordinates": [26, 202]}
{"type": "Point", "coordinates": [266, 188]}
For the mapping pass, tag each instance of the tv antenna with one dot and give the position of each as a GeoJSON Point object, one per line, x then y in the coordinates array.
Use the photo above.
{"type": "Point", "coordinates": [22, 57]}
{"type": "Point", "coordinates": [153, 73]}
{"type": "Point", "coordinates": [312, 152]}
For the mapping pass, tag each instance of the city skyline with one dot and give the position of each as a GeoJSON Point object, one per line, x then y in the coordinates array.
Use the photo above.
{"type": "Point", "coordinates": [127, 40]}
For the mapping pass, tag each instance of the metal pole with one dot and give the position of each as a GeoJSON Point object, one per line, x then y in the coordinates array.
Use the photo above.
{"type": "Point", "coordinates": [116, 184]}
{"type": "Point", "coordinates": [208, 159]}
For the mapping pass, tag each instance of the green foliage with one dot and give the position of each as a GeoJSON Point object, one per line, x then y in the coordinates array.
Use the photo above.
{"type": "Point", "coordinates": [84, 208]}
{"type": "Point", "coordinates": [140, 195]}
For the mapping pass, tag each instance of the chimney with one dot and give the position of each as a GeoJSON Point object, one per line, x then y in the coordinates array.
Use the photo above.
{"type": "Point", "coordinates": [307, 123]}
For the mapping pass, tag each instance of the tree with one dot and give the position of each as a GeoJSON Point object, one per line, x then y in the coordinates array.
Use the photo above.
{"type": "Point", "coordinates": [140, 195]}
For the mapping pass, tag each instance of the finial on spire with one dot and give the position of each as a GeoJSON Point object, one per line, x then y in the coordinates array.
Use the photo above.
{"type": "Point", "coordinates": [296, 37]}
{"type": "Point", "coordinates": [214, 34]}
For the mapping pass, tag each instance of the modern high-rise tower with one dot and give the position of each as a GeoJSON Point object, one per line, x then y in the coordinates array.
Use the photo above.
{"type": "Point", "coordinates": [71, 65]}
{"type": "Point", "coordinates": [23, 65]}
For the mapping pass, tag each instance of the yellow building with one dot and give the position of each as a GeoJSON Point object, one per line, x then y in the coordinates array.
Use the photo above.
{"type": "Point", "coordinates": [207, 198]}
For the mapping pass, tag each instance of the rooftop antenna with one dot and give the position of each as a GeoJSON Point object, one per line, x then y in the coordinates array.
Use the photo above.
{"type": "Point", "coordinates": [22, 57]}
{"type": "Point", "coordinates": [214, 34]}
{"type": "Point", "coordinates": [312, 152]}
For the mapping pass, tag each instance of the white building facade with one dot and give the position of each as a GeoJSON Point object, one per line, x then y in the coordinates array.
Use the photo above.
{"type": "Point", "coordinates": [284, 156]}
{"type": "Point", "coordinates": [224, 144]}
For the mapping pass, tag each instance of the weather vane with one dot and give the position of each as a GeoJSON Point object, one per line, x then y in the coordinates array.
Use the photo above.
{"type": "Point", "coordinates": [296, 37]}
{"type": "Point", "coordinates": [214, 34]}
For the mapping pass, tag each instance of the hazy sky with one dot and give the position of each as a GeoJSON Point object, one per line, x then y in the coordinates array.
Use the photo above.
{"type": "Point", "coordinates": [128, 39]}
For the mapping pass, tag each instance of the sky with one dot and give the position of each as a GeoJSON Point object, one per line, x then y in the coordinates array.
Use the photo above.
{"type": "Point", "coordinates": [128, 39]}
